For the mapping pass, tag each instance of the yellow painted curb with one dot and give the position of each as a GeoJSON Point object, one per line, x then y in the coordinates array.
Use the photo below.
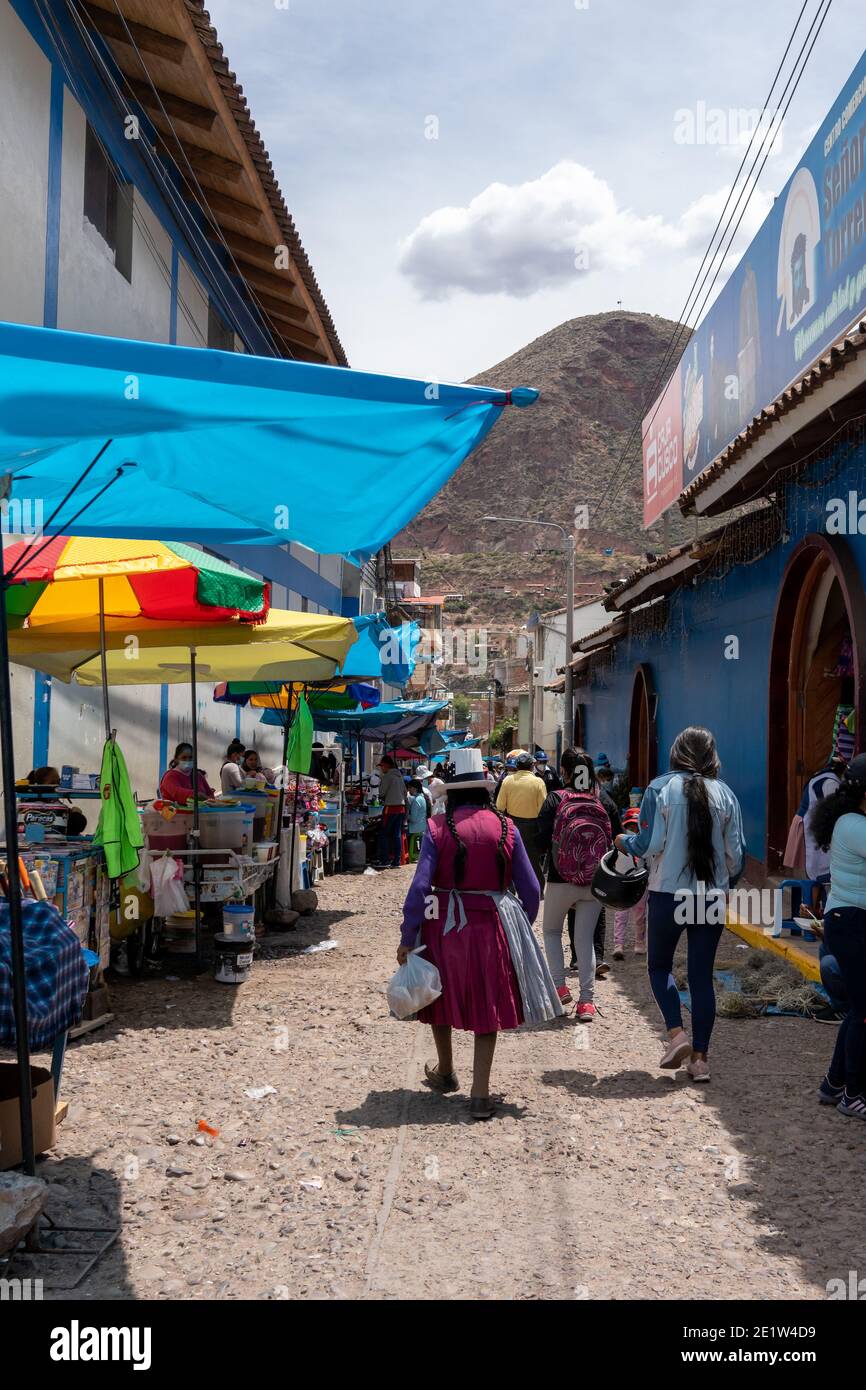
{"type": "Point", "coordinates": [780, 945]}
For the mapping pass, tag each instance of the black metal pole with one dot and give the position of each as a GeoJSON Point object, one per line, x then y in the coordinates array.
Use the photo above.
{"type": "Point", "coordinates": [16, 924]}
{"type": "Point", "coordinates": [281, 804]}
{"type": "Point", "coordinates": [196, 859]}
{"type": "Point", "coordinates": [294, 809]}
{"type": "Point", "coordinates": [103, 662]}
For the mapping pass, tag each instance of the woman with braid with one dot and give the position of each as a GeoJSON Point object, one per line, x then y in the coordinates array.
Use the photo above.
{"type": "Point", "coordinates": [691, 833]}
{"type": "Point", "coordinates": [469, 906]}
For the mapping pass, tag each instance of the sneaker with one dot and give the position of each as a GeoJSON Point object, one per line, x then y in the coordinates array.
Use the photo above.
{"type": "Point", "coordinates": [572, 964]}
{"type": "Point", "coordinates": [564, 994]}
{"type": "Point", "coordinates": [852, 1105]}
{"type": "Point", "coordinates": [678, 1049]}
{"type": "Point", "coordinates": [828, 1094]}
{"type": "Point", "coordinates": [618, 953]}
{"type": "Point", "coordinates": [698, 1070]}
{"type": "Point", "coordinates": [585, 1013]}
{"type": "Point", "coordinates": [602, 969]}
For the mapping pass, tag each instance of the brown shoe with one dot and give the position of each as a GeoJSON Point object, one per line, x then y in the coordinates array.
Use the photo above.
{"type": "Point", "coordinates": [438, 1081]}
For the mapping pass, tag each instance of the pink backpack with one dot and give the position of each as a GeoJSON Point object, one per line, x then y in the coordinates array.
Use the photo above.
{"type": "Point", "coordinates": [581, 836]}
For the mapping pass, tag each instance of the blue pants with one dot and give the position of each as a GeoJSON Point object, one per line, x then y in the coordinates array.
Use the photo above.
{"type": "Point", "coordinates": [391, 838]}
{"type": "Point", "coordinates": [663, 934]}
{"type": "Point", "coordinates": [845, 935]}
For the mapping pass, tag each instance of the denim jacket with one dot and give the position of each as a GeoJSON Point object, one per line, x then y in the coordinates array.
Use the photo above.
{"type": "Point", "coordinates": [663, 835]}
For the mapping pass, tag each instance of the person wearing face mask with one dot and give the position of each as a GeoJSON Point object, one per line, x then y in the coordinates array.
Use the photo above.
{"type": "Point", "coordinates": [176, 783]}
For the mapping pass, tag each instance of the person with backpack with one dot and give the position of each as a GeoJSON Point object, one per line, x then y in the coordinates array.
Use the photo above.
{"type": "Point", "coordinates": [574, 828]}
{"type": "Point", "coordinates": [691, 833]}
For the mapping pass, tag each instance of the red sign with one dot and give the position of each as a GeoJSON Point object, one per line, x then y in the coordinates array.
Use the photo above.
{"type": "Point", "coordinates": [663, 452]}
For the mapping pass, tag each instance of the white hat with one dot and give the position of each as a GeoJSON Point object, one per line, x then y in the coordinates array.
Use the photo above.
{"type": "Point", "coordinates": [468, 770]}
{"type": "Point", "coordinates": [422, 771]}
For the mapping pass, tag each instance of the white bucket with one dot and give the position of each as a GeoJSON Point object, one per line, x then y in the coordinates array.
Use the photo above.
{"type": "Point", "coordinates": [239, 920]}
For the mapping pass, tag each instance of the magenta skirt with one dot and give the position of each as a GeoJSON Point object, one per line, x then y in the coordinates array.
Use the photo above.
{"type": "Point", "coordinates": [480, 993]}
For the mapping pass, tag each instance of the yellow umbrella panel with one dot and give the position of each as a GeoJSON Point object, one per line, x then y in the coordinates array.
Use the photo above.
{"type": "Point", "coordinates": [287, 646]}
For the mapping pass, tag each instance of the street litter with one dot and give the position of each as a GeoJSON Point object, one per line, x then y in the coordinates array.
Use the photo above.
{"type": "Point", "coordinates": [319, 946]}
{"type": "Point", "coordinates": [259, 1092]}
{"type": "Point", "coordinates": [312, 1184]}
{"type": "Point", "coordinates": [208, 1129]}
{"type": "Point", "coordinates": [370, 873]}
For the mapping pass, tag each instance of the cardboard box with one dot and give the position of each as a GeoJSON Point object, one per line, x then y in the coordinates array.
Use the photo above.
{"type": "Point", "coordinates": [43, 1113]}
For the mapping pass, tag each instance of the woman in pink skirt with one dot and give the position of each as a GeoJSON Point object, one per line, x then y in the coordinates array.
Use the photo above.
{"type": "Point", "coordinates": [470, 858]}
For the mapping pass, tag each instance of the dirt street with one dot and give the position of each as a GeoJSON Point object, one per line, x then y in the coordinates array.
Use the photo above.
{"type": "Point", "coordinates": [600, 1177]}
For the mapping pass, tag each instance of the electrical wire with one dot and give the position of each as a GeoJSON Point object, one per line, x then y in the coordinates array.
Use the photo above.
{"type": "Point", "coordinates": [722, 249]}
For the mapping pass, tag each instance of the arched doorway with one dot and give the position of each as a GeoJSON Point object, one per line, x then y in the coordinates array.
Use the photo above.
{"type": "Point", "coordinates": [817, 672]}
{"type": "Point", "coordinates": [642, 740]}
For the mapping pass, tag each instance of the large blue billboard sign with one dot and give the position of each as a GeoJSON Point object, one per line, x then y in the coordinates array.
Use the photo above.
{"type": "Point", "coordinates": [799, 287]}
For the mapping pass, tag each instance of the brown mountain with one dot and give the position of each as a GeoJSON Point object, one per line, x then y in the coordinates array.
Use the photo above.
{"type": "Point", "coordinates": [594, 375]}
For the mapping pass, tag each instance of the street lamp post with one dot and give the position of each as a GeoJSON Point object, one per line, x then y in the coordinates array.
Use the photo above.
{"type": "Point", "coordinates": [568, 722]}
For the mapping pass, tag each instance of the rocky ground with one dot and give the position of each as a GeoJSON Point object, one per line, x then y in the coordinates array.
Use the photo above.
{"type": "Point", "coordinates": [600, 1177]}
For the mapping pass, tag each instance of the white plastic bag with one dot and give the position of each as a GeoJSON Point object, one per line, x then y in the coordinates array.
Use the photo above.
{"type": "Point", "coordinates": [413, 985]}
{"type": "Point", "coordinates": [166, 879]}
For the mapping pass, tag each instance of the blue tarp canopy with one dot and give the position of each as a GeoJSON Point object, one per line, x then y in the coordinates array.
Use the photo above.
{"type": "Point", "coordinates": [108, 437]}
{"type": "Point", "coordinates": [391, 722]}
{"type": "Point", "coordinates": [382, 652]}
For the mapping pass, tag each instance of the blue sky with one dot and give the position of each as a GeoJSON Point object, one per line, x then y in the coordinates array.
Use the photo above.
{"type": "Point", "coordinates": [561, 179]}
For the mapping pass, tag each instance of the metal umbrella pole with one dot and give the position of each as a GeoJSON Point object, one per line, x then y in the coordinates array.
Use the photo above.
{"type": "Point", "coordinates": [16, 923]}
{"type": "Point", "coordinates": [103, 662]}
{"type": "Point", "coordinates": [294, 806]}
{"type": "Point", "coordinates": [196, 834]}
{"type": "Point", "coordinates": [281, 806]}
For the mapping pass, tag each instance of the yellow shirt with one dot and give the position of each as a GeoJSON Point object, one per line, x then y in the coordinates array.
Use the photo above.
{"type": "Point", "coordinates": [522, 794]}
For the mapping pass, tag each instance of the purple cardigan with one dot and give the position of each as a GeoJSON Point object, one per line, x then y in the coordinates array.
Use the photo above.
{"type": "Point", "coordinates": [524, 883]}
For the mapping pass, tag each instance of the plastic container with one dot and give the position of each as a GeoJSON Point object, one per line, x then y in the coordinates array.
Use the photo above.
{"type": "Point", "coordinates": [179, 937]}
{"type": "Point", "coordinates": [239, 919]}
{"type": "Point", "coordinates": [264, 813]}
{"type": "Point", "coordinates": [234, 959]}
{"type": "Point", "coordinates": [354, 855]}
{"type": "Point", "coordinates": [161, 833]}
{"type": "Point", "coordinates": [226, 827]}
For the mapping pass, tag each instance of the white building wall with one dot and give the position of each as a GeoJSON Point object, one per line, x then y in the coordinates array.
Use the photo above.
{"type": "Point", "coordinates": [25, 96]}
{"type": "Point", "coordinates": [94, 297]}
{"type": "Point", "coordinates": [192, 301]}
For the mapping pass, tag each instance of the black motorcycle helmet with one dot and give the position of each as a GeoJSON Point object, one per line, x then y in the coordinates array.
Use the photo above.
{"type": "Point", "coordinates": [617, 890]}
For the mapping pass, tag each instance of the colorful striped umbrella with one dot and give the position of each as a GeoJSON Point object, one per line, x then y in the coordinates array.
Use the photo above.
{"type": "Point", "coordinates": [73, 579]}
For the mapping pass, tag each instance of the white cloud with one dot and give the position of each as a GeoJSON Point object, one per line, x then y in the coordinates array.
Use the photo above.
{"type": "Point", "coordinates": [522, 238]}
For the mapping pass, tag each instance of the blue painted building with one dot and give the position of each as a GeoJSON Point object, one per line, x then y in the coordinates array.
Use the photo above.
{"type": "Point", "coordinates": [756, 628]}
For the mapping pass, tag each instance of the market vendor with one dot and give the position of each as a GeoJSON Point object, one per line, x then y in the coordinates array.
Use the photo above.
{"type": "Point", "coordinates": [231, 777]}
{"type": "Point", "coordinates": [176, 783]}
{"type": "Point", "coordinates": [252, 766]}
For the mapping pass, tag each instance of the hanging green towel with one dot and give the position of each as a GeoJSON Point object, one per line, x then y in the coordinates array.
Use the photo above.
{"type": "Point", "coordinates": [119, 830]}
{"type": "Point", "coordinates": [300, 746]}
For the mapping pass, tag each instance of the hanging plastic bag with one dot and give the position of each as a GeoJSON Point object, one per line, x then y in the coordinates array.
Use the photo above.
{"type": "Point", "coordinates": [413, 985]}
{"type": "Point", "coordinates": [166, 886]}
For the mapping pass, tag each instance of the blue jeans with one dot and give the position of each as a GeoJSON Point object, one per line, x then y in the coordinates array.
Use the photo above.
{"type": "Point", "coordinates": [391, 838]}
{"type": "Point", "coordinates": [663, 934]}
{"type": "Point", "coordinates": [845, 935]}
